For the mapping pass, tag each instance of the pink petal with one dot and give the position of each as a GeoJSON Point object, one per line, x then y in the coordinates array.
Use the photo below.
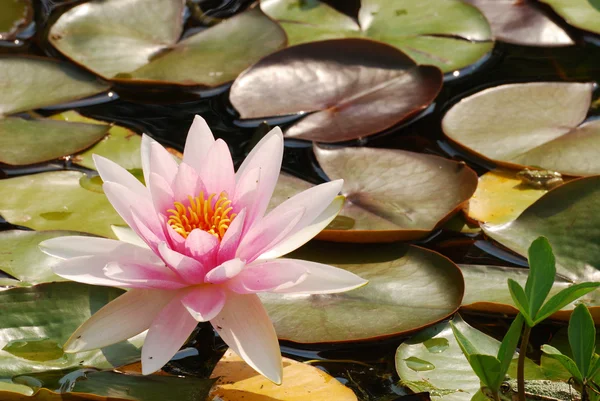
{"type": "Point", "coordinates": [266, 156]}
{"type": "Point", "coordinates": [148, 229]}
{"type": "Point", "coordinates": [224, 271]}
{"type": "Point", "coordinates": [126, 234]}
{"type": "Point", "coordinates": [168, 332]}
{"type": "Point", "coordinates": [187, 183]}
{"type": "Point", "coordinates": [88, 270]}
{"type": "Point", "coordinates": [123, 318]}
{"type": "Point", "coordinates": [162, 194]}
{"type": "Point", "coordinates": [162, 163]}
{"type": "Point", "coordinates": [202, 246]}
{"type": "Point", "coordinates": [204, 302]}
{"type": "Point", "coordinates": [245, 326]}
{"type": "Point", "coordinates": [135, 275]}
{"type": "Point", "coordinates": [145, 151]}
{"type": "Point", "coordinates": [175, 240]}
{"type": "Point", "coordinates": [189, 269]}
{"type": "Point", "coordinates": [231, 239]}
{"type": "Point", "coordinates": [299, 238]}
{"type": "Point", "coordinates": [216, 171]}
{"type": "Point", "coordinates": [76, 245]}
{"type": "Point", "coordinates": [111, 171]}
{"type": "Point", "coordinates": [124, 200]}
{"type": "Point", "coordinates": [198, 143]}
{"type": "Point", "coordinates": [268, 277]}
{"type": "Point", "coordinates": [267, 233]}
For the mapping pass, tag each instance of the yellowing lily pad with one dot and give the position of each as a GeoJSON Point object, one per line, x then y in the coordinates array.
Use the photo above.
{"type": "Point", "coordinates": [60, 200]}
{"type": "Point", "coordinates": [22, 78]}
{"type": "Point", "coordinates": [149, 51]}
{"type": "Point", "coordinates": [15, 16]}
{"type": "Point", "coordinates": [237, 381]}
{"type": "Point", "coordinates": [409, 288]}
{"type": "Point", "coordinates": [579, 13]}
{"type": "Point", "coordinates": [446, 33]}
{"type": "Point", "coordinates": [532, 124]}
{"type": "Point", "coordinates": [350, 99]}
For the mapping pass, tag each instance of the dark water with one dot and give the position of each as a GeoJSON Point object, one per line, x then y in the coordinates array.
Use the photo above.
{"type": "Point", "coordinates": [166, 115]}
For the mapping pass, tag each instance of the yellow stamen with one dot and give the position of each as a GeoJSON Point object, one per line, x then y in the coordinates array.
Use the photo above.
{"type": "Point", "coordinates": [214, 217]}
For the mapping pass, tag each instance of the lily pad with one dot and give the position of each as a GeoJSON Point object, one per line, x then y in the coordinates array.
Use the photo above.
{"type": "Point", "coordinates": [531, 124]}
{"type": "Point", "coordinates": [149, 51]}
{"type": "Point", "coordinates": [16, 15]}
{"type": "Point", "coordinates": [522, 23]}
{"type": "Point", "coordinates": [25, 142]}
{"type": "Point", "coordinates": [237, 380]}
{"type": "Point", "coordinates": [350, 99]}
{"type": "Point", "coordinates": [76, 203]}
{"type": "Point", "coordinates": [448, 34]}
{"type": "Point", "coordinates": [22, 78]}
{"type": "Point", "coordinates": [121, 145]}
{"type": "Point", "coordinates": [395, 194]}
{"type": "Point", "coordinates": [35, 322]}
{"type": "Point", "coordinates": [579, 13]}
{"type": "Point", "coordinates": [409, 288]}
{"type": "Point", "coordinates": [567, 216]}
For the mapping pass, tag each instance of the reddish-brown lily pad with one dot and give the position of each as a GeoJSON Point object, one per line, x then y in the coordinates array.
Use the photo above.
{"type": "Point", "coordinates": [352, 87]}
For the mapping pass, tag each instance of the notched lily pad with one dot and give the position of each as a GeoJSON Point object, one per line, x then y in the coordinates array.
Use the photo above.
{"type": "Point", "coordinates": [532, 124]}
{"type": "Point", "coordinates": [409, 288]}
{"type": "Point", "coordinates": [149, 51]}
{"type": "Point", "coordinates": [24, 142]}
{"type": "Point", "coordinates": [15, 16]}
{"type": "Point", "coordinates": [448, 34]}
{"type": "Point", "coordinates": [22, 78]}
{"type": "Point", "coordinates": [348, 98]}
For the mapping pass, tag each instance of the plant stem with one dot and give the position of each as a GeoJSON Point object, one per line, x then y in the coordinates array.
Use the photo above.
{"type": "Point", "coordinates": [521, 365]}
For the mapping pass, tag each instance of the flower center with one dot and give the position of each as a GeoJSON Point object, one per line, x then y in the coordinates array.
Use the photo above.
{"type": "Point", "coordinates": [210, 215]}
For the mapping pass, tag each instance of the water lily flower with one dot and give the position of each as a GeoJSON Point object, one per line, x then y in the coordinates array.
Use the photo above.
{"type": "Point", "coordinates": [200, 249]}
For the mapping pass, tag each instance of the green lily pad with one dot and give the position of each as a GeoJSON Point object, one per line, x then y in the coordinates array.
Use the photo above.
{"type": "Point", "coordinates": [59, 200]}
{"type": "Point", "coordinates": [579, 13]}
{"type": "Point", "coordinates": [409, 288]}
{"type": "Point", "coordinates": [148, 50]}
{"type": "Point", "coordinates": [448, 34]}
{"type": "Point", "coordinates": [394, 194]}
{"type": "Point", "coordinates": [350, 99]}
{"type": "Point", "coordinates": [451, 378]}
{"type": "Point", "coordinates": [16, 15]}
{"type": "Point", "coordinates": [567, 216]}
{"type": "Point", "coordinates": [522, 23]}
{"type": "Point", "coordinates": [531, 124]}
{"type": "Point", "coordinates": [22, 78]}
{"type": "Point", "coordinates": [25, 142]}
{"type": "Point", "coordinates": [21, 257]}
{"type": "Point", "coordinates": [121, 145]}
{"type": "Point", "coordinates": [35, 322]}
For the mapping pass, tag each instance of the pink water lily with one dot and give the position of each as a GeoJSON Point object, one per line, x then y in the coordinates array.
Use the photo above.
{"type": "Point", "coordinates": [200, 250]}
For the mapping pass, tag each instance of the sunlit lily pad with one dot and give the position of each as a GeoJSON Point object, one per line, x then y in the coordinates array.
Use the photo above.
{"type": "Point", "coordinates": [448, 34]}
{"type": "Point", "coordinates": [16, 15]}
{"type": "Point", "coordinates": [121, 145]}
{"type": "Point", "coordinates": [409, 288]}
{"type": "Point", "coordinates": [237, 381]}
{"type": "Point", "coordinates": [22, 78]}
{"type": "Point", "coordinates": [148, 47]}
{"type": "Point", "coordinates": [522, 23]}
{"type": "Point", "coordinates": [60, 200]}
{"type": "Point", "coordinates": [531, 124]}
{"type": "Point", "coordinates": [568, 217]}
{"type": "Point", "coordinates": [25, 142]}
{"type": "Point", "coordinates": [35, 322]}
{"type": "Point", "coordinates": [394, 194]}
{"type": "Point", "coordinates": [579, 13]}
{"type": "Point", "coordinates": [350, 99]}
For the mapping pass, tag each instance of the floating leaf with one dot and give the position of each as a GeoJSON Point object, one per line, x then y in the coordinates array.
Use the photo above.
{"type": "Point", "coordinates": [35, 322]}
{"type": "Point", "coordinates": [22, 78]}
{"type": "Point", "coordinates": [448, 34]}
{"type": "Point", "coordinates": [350, 99]}
{"type": "Point", "coordinates": [531, 124]}
{"type": "Point", "coordinates": [148, 51]}
{"type": "Point", "coordinates": [521, 23]}
{"type": "Point", "coordinates": [395, 194]}
{"type": "Point", "coordinates": [409, 288]}
{"type": "Point", "coordinates": [77, 203]}
{"type": "Point", "coordinates": [25, 142]}
{"type": "Point", "coordinates": [237, 380]}
{"type": "Point", "coordinates": [16, 15]}
{"type": "Point", "coordinates": [579, 13]}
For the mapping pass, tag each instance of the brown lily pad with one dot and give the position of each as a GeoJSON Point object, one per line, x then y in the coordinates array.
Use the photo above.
{"type": "Point", "coordinates": [352, 87]}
